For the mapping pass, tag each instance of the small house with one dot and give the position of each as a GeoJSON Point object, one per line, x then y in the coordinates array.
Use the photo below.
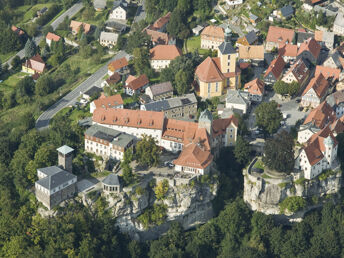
{"type": "Point", "coordinates": [34, 65]}
{"type": "Point", "coordinates": [108, 39]}
{"type": "Point", "coordinates": [51, 37]}
{"type": "Point", "coordinates": [119, 11]}
{"type": "Point", "coordinates": [137, 85]}
{"type": "Point", "coordinates": [119, 66]}
{"type": "Point", "coordinates": [160, 91]}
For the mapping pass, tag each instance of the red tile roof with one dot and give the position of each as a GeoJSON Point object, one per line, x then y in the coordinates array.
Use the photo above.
{"type": "Point", "coordinates": [208, 71]}
{"type": "Point", "coordinates": [130, 118]}
{"type": "Point", "coordinates": [17, 30]}
{"type": "Point", "coordinates": [213, 33]}
{"type": "Point", "coordinates": [118, 64]}
{"type": "Point", "coordinates": [113, 79]}
{"type": "Point", "coordinates": [280, 35]}
{"type": "Point", "coordinates": [319, 84]}
{"type": "Point", "coordinates": [194, 156]}
{"type": "Point", "coordinates": [157, 36]}
{"type": "Point", "coordinates": [220, 125]}
{"type": "Point", "coordinates": [310, 45]}
{"type": "Point", "coordinates": [165, 52]}
{"type": "Point", "coordinates": [287, 50]}
{"type": "Point", "coordinates": [138, 82]}
{"type": "Point", "coordinates": [327, 72]}
{"type": "Point", "coordinates": [108, 102]}
{"type": "Point", "coordinates": [276, 67]}
{"type": "Point", "coordinates": [162, 21]}
{"type": "Point", "coordinates": [52, 36]}
{"type": "Point", "coordinates": [321, 115]}
{"type": "Point", "coordinates": [36, 63]}
{"type": "Point", "coordinates": [255, 87]}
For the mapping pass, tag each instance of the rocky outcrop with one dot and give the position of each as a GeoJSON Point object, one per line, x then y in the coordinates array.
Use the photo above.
{"type": "Point", "coordinates": [188, 203]}
{"type": "Point", "coordinates": [266, 194]}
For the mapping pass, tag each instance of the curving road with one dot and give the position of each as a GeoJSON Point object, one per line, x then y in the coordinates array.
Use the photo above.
{"type": "Point", "coordinates": [70, 99]}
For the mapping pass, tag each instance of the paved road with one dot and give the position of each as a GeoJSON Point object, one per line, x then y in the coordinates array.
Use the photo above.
{"type": "Point", "coordinates": [70, 12]}
{"type": "Point", "coordinates": [70, 99]}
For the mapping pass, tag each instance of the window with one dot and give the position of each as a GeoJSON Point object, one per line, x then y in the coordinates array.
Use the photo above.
{"type": "Point", "coordinates": [217, 87]}
{"type": "Point", "coordinates": [209, 87]}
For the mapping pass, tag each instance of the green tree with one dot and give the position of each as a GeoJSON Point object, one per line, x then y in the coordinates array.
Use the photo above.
{"type": "Point", "coordinates": [281, 87]}
{"type": "Point", "coordinates": [141, 60]}
{"type": "Point", "coordinates": [30, 48]}
{"type": "Point", "coordinates": [242, 150]}
{"type": "Point", "coordinates": [279, 152]}
{"type": "Point", "coordinates": [9, 40]}
{"type": "Point", "coordinates": [268, 117]}
{"type": "Point", "coordinates": [25, 89]}
{"type": "Point", "coordinates": [181, 80]}
{"type": "Point", "coordinates": [147, 151]}
{"type": "Point", "coordinates": [176, 26]}
{"type": "Point", "coordinates": [96, 33]}
{"type": "Point", "coordinates": [16, 63]}
{"type": "Point", "coordinates": [161, 189]}
{"type": "Point", "coordinates": [127, 173]}
{"type": "Point", "coordinates": [44, 85]}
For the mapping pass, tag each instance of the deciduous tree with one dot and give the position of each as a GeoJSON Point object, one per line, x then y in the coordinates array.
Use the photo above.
{"type": "Point", "coordinates": [147, 151]}
{"type": "Point", "coordinates": [268, 117]}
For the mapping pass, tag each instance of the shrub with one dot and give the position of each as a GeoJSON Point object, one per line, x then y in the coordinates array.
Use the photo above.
{"type": "Point", "coordinates": [300, 181]}
{"type": "Point", "coordinates": [161, 189]}
{"type": "Point", "coordinates": [292, 204]}
{"type": "Point", "coordinates": [155, 215]}
{"type": "Point", "coordinates": [139, 190]}
{"type": "Point", "coordinates": [326, 174]}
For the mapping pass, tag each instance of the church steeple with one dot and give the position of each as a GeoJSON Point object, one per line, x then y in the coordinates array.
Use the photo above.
{"type": "Point", "coordinates": [228, 34]}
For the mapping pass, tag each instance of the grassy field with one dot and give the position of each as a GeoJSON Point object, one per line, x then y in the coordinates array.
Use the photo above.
{"type": "Point", "coordinates": [194, 43]}
{"type": "Point", "coordinates": [30, 11]}
{"type": "Point", "coordinates": [97, 19]}
{"type": "Point", "coordinates": [9, 84]}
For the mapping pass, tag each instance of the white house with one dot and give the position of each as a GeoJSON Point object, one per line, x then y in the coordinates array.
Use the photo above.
{"type": "Point", "coordinates": [114, 102]}
{"type": "Point", "coordinates": [315, 92]}
{"type": "Point", "coordinates": [108, 39]}
{"type": "Point", "coordinates": [162, 55]}
{"type": "Point", "coordinates": [234, 2]}
{"type": "Point", "coordinates": [318, 155]}
{"type": "Point", "coordinates": [336, 101]}
{"type": "Point", "coordinates": [235, 100]}
{"type": "Point", "coordinates": [119, 11]}
{"type": "Point", "coordinates": [338, 25]}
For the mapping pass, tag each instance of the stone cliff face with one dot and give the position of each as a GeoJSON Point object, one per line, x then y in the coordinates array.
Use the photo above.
{"type": "Point", "coordinates": [189, 204]}
{"type": "Point", "coordinates": [265, 194]}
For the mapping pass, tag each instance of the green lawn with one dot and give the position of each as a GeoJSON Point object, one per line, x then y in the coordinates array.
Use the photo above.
{"type": "Point", "coordinates": [194, 43]}
{"type": "Point", "coordinates": [31, 12]}
{"type": "Point", "coordinates": [97, 19]}
{"type": "Point", "coordinates": [9, 84]}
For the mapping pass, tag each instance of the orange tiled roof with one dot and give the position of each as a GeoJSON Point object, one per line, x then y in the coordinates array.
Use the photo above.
{"type": "Point", "coordinates": [319, 84]}
{"type": "Point", "coordinates": [214, 33]}
{"type": "Point", "coordinates": [108, 102]}
{"type": "Point", "coordinates": [138, 82]}
{"type": "Point", "coordinates": [318, 35]}
{"type": "Point", "coordinates": [287, 50]}
{"type": "Point", "coordinates": [327, 72]}
{"type": "Point", "coordinates": [251, 52]}
{"type": "Point", "coordinates": [276, 67]}
{"type": "Point", "coordinates": [208, 71]}
{"type": "Point", "coordinates": [280, 35]}
{"type": "Point", "coordinates": [52, 36]}
{"type": "Point", "coordinates": [75, 26]}
{"type": "Point", "coordinates": [118, 64]}
{"type": "Point", "coordinates": [130, 118]}
{"type": "Point", "coordinates": [165, 52]}
{"type": "Point", "coordinates": [321, 115]}
{"type": "Point", "coordinates": [315, 145]}
{"type": "Point", "coordinates": [159, 23]}
{"type": "Point", "coordinates": [194, 156]}
{"type": "Point", "coordinates": [310, 45]}
{"type": "Point", "coordinates": [255, 87]}
{"type": "Point", "coordinates": [17, 30]}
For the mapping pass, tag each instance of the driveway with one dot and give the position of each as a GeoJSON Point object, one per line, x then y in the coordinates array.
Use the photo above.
{"type": "Point", "coordinates": [70, 12]}
{"type": "Point", "coordinates": [71, 98]}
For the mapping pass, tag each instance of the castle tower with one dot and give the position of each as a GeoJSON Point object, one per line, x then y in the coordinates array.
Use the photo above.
{"type": "Point", "coordinates": [206, 121]}
{"type": "Point", "coordinates": [65, 157]}
{"type": "Point", "coordinates": [329, 149]}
